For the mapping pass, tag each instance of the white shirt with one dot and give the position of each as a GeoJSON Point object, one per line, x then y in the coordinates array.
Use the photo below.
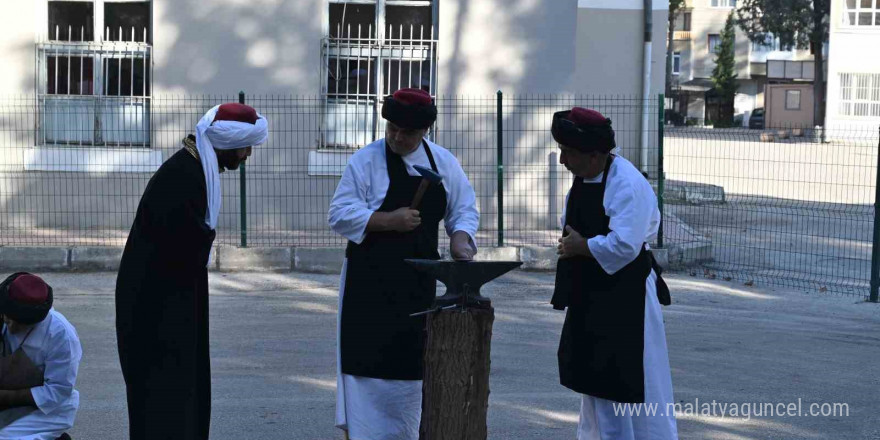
{"type": "Point", "coordinates": [631, 205]}
{"type": "Point", "coordinates": [365, 181]}
{"type": "Point", "coordinates": [54, 347]}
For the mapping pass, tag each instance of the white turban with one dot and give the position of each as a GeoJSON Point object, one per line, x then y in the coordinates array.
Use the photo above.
{"type": "Point", "coordinates": [223, 135]}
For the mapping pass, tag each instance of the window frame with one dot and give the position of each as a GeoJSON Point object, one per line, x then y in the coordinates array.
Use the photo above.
{"type": "Point", "coordinates": [381, 51]}
{"type": "Point", "coordinates": [709, 43]}
{"type": "Point", "coordinates": [793, 93]}
{"type": "Point", "coordinates": [873, 11]}
{"type": "Point", "coordinates": [717, 4]}
{"type": "Point", "coordinates": [676, 56]}
{"type": "Point", "coordinates": [849, 91]}
{"type": "Point", "coordinates": [124, 118]}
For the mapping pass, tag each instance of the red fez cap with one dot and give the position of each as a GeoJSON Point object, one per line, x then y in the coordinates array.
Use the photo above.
{"type": "Point", "coordinates": [412, 97]}
{"type": "Point", "coordinates": [29, 289]}
{"type": "Point", "coordinates": [584, 116]}
{"type": "Point", "coordinates": [233, 111]}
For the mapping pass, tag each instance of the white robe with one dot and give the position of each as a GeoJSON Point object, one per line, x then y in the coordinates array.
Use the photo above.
{"type": "Point", "coordinates": [378, 409]}
{"type": "Point", "coordinates": [54, 347]}
{"type": "Point", "coordinates": [631, 205]}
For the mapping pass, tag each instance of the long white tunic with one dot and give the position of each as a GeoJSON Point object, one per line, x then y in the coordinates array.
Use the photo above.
{"type": "Point", "coordinates": [378, 409]}
{"type": "Point", "coordinates": [54, 347]}
{"type": "Point", "coordinates": [631, 205]}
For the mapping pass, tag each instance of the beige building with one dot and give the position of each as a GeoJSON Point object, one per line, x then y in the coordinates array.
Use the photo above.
{"type": "Point", "coordinates": [853, 103]}
{"type": "Point", "coordinates": [698, 30]}
{"type": "Point", "coordinates": [109, 86]}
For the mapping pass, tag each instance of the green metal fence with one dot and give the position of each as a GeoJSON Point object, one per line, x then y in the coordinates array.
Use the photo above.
{"type": "Point", "coordinates": [792, 209]}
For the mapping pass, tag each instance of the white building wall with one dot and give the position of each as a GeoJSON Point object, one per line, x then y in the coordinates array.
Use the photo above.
{"type": "Point", "coordinates": [851, 50]}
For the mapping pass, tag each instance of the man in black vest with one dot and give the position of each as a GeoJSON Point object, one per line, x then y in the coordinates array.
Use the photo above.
{"type": "Point", "coordinates": [613, 344]}
{"type": "Point", "coordinates": [379, 386]}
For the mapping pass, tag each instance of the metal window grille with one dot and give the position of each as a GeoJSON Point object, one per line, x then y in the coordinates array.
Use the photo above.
{"type": "Point", "coordinates": [364, 61]}
{"type": "Point", "coordinates": [859, 95]}
{"type": "Point", "coordinates": [93, 90]}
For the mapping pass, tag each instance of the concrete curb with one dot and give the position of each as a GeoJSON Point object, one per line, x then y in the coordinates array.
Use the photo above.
{"type": "Point", "coordinates": [314, 260]}
{"type": "Point", "coordinates": [16, 259]}
{"type": "Point", "coordinates": [693, 193]}
{"type": "Point", "coordinates": [318, 260]}
{"type": "Point", "coordinates": [95, 259]}
{"type": "Point", "coordinates": [261, 259]}
{"type": "Point", "coordinates": [689, 254]}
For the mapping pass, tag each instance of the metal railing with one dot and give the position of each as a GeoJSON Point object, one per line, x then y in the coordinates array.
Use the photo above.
{"type": "Point", "coordinates": [794, 209]}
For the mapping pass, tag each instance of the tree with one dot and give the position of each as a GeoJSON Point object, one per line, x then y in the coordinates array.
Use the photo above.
{"type": "Point", "coordinates": [675, 7]}
{"type": "Point", "coordinates": [797, 23]}
{"type": "Point", "coordinates": [724, 74]}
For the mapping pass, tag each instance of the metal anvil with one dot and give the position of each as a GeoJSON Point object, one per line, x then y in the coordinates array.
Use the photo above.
{"type": "Point", "coordinates": [463, 280]}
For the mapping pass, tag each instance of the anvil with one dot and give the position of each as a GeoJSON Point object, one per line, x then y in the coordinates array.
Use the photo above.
{"type": "Point", "coordinates": [463, 280]}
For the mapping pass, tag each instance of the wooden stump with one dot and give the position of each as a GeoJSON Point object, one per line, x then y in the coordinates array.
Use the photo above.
{"type": "Point", "coordinates": [456, 385]}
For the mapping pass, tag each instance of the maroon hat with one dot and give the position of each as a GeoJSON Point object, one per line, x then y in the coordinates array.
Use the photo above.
{"type": "Point", "coordinates": [233, 111]}
{"type": "Point", "coordinates": [25, 298]}
{"type": "Point", "coordinates": [585, 116]}
{"type": "Point", "coordinates": [28, 289]}
{"type": "Point", "coordinates": [410, 108]}
{"type": "Point", "coordinates": [584, 130]}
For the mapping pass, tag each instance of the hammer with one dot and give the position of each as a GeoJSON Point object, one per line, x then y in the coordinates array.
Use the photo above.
{"type": "Point", "coordinates": [428, 177]}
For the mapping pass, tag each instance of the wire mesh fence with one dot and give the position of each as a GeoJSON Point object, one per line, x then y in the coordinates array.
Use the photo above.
{"type": "Point", "coordinates": [86, 193]}
{"type": "Point", "coordinates": [776, 206]}
{"type": "Point", "coordinates": [796, 210]}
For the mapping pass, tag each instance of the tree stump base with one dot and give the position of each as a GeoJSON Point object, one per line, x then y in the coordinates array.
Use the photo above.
{"type": "Point", "coordinates": [455, 391]}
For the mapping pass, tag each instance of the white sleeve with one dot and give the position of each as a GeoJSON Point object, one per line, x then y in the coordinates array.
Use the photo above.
{"type": "Point", "coordinates": [630, 211]}
{"type": "Point", "coordinates": [349, 213]}
{"type": "Point", "coordinates": [62, 363]}
{"type": "Point", "coordinates": [461, 203]}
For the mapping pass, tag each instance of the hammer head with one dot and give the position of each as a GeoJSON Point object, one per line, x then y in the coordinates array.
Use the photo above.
{"type": "Point", "coordinates": [429, 174]}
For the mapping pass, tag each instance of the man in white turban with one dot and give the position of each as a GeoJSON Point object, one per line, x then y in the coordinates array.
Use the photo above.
{"type": "Point", "coordinates": [162, 286]}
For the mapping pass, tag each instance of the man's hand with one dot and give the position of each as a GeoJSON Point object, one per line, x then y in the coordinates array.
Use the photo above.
{"type": "Point", "coordinates": [405, 219]}
{"type": "Point", "coordinates": [572, 244]}
{"type": "Point", "coordinates": [461, 247]}
{"type": "Point", "coordinates": [399, 220]}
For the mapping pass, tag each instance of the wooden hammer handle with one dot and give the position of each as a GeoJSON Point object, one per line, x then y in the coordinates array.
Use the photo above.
{"type": "Point", "coordinates": [419, 193]}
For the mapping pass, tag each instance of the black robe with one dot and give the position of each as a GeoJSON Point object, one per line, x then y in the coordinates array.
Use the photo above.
{"type": "Point", "coordinates": [162, 306]}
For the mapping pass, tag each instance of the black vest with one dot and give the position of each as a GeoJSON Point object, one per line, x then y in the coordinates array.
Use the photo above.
{"type": "Point", "coordinates": [602, 342]}
{"type": "Point", "coordinates": [378, 338]}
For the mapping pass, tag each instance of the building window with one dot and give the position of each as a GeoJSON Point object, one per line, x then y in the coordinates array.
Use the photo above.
{"type": "Point", "coordinates": [371, 49]}
{"type": "Point", "coordinates": [859, 95]}
{"type": "Point", "coordinates": [792, 99]}
{"type": "Point", "coordinates": [683, 21]}
{"type": "Point", "coordinates": [714, 43]}
{"type": "Point", "coordinates": [770, 44]}
{"type": "Point", "coordinates": [676, 63]}
{"type": "Point", "coordinates": [861, 13]}
{"type": "Point", "coordinates": [723, 3]}
{"type": "Point", "coordinates": [94, 87]}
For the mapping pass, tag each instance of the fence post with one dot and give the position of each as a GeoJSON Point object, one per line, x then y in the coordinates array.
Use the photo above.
{"type": "Point", "coordinates": [500, 128]}
{"type": "Point", "coordinates": [875, 249]}
{"type": "Point", "coordinates": [242, 180]}
{"type": "Point", "coordinates": [661, 104]}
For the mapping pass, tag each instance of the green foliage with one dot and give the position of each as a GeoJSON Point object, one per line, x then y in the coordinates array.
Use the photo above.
{"type": "Point", "coordinates": [724, 74]}
{"type": "Point", "coordinates": [797, 23]}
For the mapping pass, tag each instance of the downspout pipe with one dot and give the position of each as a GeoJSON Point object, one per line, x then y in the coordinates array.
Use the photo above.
{"type": "Point", "coordinates": [646, 84]}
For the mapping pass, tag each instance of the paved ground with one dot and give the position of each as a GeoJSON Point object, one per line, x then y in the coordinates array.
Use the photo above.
{"type": "Point", "coordinates": [810, 245]}
{"type": "Point", "coordinates": [273, 339]}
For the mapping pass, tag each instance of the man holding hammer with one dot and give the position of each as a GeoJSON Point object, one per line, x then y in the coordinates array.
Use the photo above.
{"type": "Point", "coordinates": [389, 204]}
